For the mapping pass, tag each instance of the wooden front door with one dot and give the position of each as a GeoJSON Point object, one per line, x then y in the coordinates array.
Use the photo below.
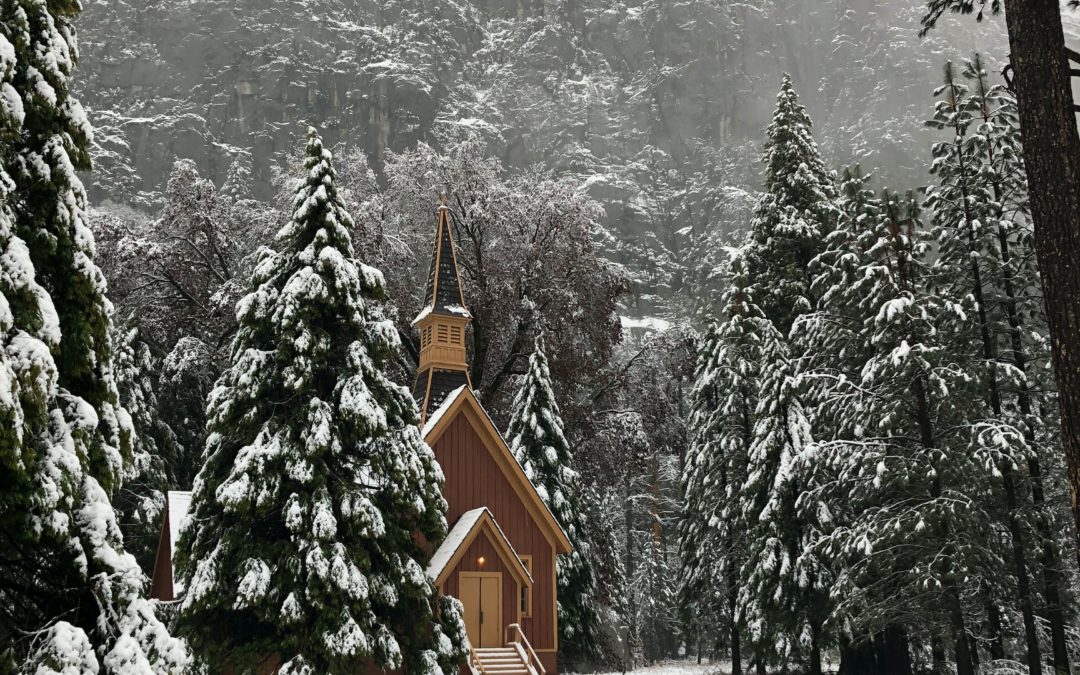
{"type": "Point", "coordinates": [481, 594]}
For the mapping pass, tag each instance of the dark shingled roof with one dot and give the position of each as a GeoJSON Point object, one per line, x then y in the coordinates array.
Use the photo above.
{"type": "Point", "coordinates": [443, 293]}
{"type": "Point", "coordinates": [442, 383]}
{"type": "Point", "coordinates": [442, 298]}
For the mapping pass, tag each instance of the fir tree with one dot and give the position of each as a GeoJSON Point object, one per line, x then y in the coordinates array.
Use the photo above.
{"type": "Point", "coordinates": [703, 553]}
{"type": "Point", "coordinates": [538, 444]}
{"type": "Point", "coordinates": [303, 542]}
{"type": "Point", "coordinates": [795, 214]}
{"type": "Point", "coordinates": [237, 185]}
{"type": "Point", "coordinates": [784, 585]}
{"type": "Point", "coordinates": [66, 440]}
{"type": "Point", "coordinates": [713, 532]}
{"type": "Point", "coordinates": [656, 587]}
{"type": "Point", "coordinates": [902, 472]}
{"type": "Point", "coordinates": [154, 448]}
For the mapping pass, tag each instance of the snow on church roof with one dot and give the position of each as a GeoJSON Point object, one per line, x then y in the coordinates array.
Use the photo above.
{"type": "Point", "coordinates": [459, 534]}
{"type": "Point", "coordinates": [436, 415]}
{"type": "Point", "coordinates": [178, 504]}
{"type": "Point", "coordinates": [454, 538]}
{"type": "Point", "coordinates": [501, 449]}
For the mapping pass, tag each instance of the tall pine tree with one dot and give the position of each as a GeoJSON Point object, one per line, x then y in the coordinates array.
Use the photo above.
{"type": "Point", "coordinates": [795, 214]}
{"type": "Point", "coordinates": [303, 542]}
{"type": "Point", "coordinates": [713, 532]}
{"type": "Point", "coordinates": [705, 550]}
{"type": "Point", "coordinates": [901, 470]}
{"type": "Point", "coordinates": [979, 207]}
{"type": "Point", "coordinates": [784, 589]}
{"type": "Point", "coordinates": [71, 595]}
{"type": "Point", "coordinates": [537, 442]}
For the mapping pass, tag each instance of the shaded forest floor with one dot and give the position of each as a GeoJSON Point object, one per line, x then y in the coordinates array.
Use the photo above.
{"type": "Point", "coordinates": [692, 667]}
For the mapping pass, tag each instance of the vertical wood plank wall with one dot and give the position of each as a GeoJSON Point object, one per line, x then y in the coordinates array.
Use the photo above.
{"type": "Point", "coordinates": [161, 584]}
{"type": "Point", "coordinates": [473, 479]}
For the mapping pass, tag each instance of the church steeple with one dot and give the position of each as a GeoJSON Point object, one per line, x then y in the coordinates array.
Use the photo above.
{"type": "Point", "coordinates": [443, 361]}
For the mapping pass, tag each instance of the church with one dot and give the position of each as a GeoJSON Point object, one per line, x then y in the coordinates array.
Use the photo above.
{"type": "Point", "coordinates": [499, 557]}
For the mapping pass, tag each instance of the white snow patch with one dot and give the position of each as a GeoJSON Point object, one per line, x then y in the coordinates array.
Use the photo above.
{"type": "Point", "coordinates": [453, 542]}
{"type": "Point", "coordinates": [178, 504]}
{"type": "Point", "coordinates": [433, 420]}
{"type": "Point", "coordinates": [653, 323]}
{"type": "Point", "coordinates": [682, 668]}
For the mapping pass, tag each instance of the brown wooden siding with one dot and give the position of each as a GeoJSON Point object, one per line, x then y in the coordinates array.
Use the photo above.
{"type": "Point", "coordinates": [161, 585]}
{"type": "Point", "coordinates": [473, 479]}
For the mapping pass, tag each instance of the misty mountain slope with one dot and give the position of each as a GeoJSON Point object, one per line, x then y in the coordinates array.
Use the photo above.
{"type": "Point", "coordinates": [651, 104]}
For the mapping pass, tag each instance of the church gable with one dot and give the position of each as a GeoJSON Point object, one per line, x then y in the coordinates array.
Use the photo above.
{"type": "Point", "coordinates": [477, 523]}
{"type": "Point", "coordinates": [481, 471]}
{"type": "Point", "coordinates": [473, 479]}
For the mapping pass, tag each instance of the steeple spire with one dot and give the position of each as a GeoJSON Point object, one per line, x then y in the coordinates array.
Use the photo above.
{"type": "Point", "coordinates": [443, 360]}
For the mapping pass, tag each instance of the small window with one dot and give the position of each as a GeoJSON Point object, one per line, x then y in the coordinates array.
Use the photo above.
{"type": "Point", "coordinates": [526, 591]}
{"type": "Point", "coordinates": [443, 335]}
{"type": "Point", "coordinates": [425, 338]}
{"type": "Point", "coordinates": [455, 335]}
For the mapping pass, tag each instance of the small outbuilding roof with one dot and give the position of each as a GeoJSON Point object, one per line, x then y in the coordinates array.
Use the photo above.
{"type": "Point", "coordinates": [462, 534]}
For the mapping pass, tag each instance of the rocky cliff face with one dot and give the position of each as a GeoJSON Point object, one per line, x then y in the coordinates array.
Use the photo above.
{"type": "Point", "coordinates": [646, 101]}
{"type": "Point", "coordinates": [210, 81]}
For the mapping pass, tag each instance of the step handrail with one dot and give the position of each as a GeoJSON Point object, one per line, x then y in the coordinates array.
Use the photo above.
{"type": "Point", "coordinates": [475, 663]}
{"type": "Point", "coordinates": [523, 641]}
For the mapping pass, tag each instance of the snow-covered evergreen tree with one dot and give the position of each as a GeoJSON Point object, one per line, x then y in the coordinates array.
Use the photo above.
{"type": "Point", "coordinates": [537, 442]}
{"type": "Point", "coordinates": [901, 472]}
{"type": "Point", "coordinates": [784, 585]}
{"type": "Point", "coordinates": [302, 544]}
{"type": "Point", "coordinates": [237, 185]}
{"type": "Point", "coordinates": [154, 448]}
{"type": "Point", "coordinates": [704, 482]}
{"type": "Point", "coordinates": [656, 586]}
{"type": "Point", "coordinates": [795, 214]}
{"type": "Point", "coordinates": [984, 240]}
{"type": "Point", "coordinates": [712, 533]}
{"type": "Point", "coordinates": [66, 440]}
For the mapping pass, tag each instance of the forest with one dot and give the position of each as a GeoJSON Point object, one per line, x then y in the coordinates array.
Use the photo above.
{"type": "Point", "coordinates": [762, 295]}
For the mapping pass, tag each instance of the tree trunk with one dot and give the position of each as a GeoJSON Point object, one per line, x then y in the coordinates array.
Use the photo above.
{"type": "Point", "coordinates": [1031, 635]}
{"type": "Point", "coordinates": [937, 651]}
{"type": "Point", "coordinates": [973, 645]}
{"type": "Point", "coordinates": [736, 644]}
{"type": "Point", "coordinates": [997, 638]}
{"type": "Point", "coordinates": [1052, 161]}
{"type": "Point", "coordinates": [858, 658]}
{"type": "Point", "coordinates": [962, 642]}
{"type": "Point", "coordinates": [815, 650]}
{"type": "Point", "coordinates": [896, 649]}
{"type": "Point", "coordinates": [881, 656]}
{"type": "Point", "coordinates": [1048, 550]}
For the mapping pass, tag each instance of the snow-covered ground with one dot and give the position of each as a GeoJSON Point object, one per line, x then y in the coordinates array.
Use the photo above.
{"type": "Point", "coordinates": [691, 667]}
